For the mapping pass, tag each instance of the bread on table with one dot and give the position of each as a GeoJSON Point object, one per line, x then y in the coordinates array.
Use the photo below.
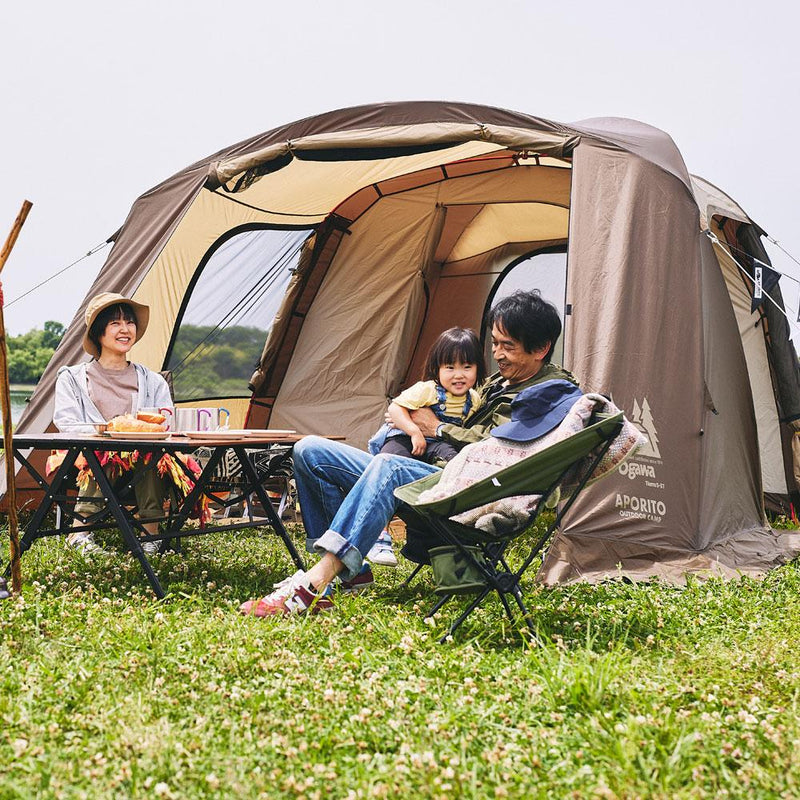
{"type": "Point", "coordinates": [128, 424]}
{"type": "Point", "coordinates": [149, 416]}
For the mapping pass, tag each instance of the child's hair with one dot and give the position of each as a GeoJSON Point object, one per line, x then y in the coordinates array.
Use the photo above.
{"type": "Point", "coordinates": [454, 344]}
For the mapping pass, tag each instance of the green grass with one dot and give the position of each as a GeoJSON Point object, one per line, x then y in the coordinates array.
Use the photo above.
{"type": "Point", "coordinates": [631, 691]}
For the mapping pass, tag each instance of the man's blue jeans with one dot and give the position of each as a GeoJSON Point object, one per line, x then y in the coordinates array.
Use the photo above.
{"type": "Point", "coordinates": [347, 496]}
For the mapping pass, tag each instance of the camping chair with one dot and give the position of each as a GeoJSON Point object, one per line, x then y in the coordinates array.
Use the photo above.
{"type": "Point", "coordinates": [472, 560]}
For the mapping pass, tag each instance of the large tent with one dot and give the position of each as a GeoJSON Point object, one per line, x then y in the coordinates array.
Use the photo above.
{"type": "Point", "coordinates": [331, 251]}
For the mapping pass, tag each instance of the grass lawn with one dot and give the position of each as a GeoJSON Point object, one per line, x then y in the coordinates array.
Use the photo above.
{"type": "Point", "coordinates": [632, 691]}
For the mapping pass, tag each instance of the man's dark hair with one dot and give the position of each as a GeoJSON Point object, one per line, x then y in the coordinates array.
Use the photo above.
{"type": "Point", "coordinates": [454, 344]}
{"type": "Point", "coordinates": [528, 318]}
{"type": "Point", "coordinates": [117, 311]}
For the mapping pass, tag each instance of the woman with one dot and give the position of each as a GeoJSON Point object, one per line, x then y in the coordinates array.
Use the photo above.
{"type": "Point", "coordinates": [107, 386]}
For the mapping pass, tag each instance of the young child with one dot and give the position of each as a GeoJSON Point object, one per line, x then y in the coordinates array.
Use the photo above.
{"type": "Point", "coordinates": [453, 366]}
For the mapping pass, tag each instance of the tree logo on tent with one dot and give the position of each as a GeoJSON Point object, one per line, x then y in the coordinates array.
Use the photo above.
{"type": "Point", "coordinates": [642, 418]}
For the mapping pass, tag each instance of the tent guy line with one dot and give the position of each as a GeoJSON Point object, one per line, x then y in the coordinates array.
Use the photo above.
{"type": "Point", "coordinates": [785, 252]}
{"type": "Point", "coordinates": [96, 249]}
{"type": "Point", "coordinates": [763, 263]}
{"type": "Point", "coordinates": [744, 272]}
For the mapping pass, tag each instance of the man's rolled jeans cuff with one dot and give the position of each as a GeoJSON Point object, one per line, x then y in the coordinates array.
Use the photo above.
{"type": "Point", "coordinates": [335, 544]}
{"type": "Point", "coordinates": [310, 545]}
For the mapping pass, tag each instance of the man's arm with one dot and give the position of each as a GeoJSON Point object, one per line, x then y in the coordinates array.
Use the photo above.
{"type": "Point", "coordinates": [455, 434]}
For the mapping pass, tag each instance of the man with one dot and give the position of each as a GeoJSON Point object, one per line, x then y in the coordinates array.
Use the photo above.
{"type": "Point", "coordinates": [347, 496]}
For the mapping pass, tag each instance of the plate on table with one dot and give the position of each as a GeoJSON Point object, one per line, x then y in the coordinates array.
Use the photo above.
{"type": "Point", "coordinates": [215, 434]}
{"type": "Point", "coordinates": [141, 435]}
{"type": "Point", "coordinates": [271, 432]}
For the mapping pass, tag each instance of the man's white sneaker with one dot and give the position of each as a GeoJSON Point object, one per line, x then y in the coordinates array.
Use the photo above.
{"type": "Point", "coordinates": [291, 596]}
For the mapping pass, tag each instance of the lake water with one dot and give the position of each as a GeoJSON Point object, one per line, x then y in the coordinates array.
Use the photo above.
{"type": "Point", "coordinates": [18, 402]}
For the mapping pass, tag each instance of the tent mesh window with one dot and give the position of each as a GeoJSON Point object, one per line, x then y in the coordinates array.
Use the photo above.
{"type": "Point", "coordinates": [221, 331]}
{"type": "Point", "coordinates": [545, 270]}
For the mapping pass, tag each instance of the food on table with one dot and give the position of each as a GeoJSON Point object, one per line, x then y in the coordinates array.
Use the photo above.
{"type": "Point", "coordinates": [129, 424]}
{"type": "Point", "coordinates": [150, 416]}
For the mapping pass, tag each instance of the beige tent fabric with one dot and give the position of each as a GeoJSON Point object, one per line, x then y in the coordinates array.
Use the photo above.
{"type": "Point", "coordinates": [727, 460]}
{"type": "Point", "coordinates": [362, 329]}
{"type": "Point", "coordinates": [589, 558]}
{"type": "Point", "coordinates": [306, 191]}
{"type": "Point", "coordinates": [643, 347]}
{"type": "Point", "coordinates": [796, 451]}
{"type": "Point", "coordinates": [712, 201]}
{"type": "Point", "coordinates": [164, 286]}
{"type": "Point", "coordinates": [626, 339]}
{"type": "Point", "coordinates": [752, 338]}
{"type": "Point", "coordinates": [497, 225]}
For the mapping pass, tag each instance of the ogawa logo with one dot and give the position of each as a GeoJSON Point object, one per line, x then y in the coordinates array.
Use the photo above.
{"type": "Point", "coordinates": [642, 418]}
{"type": "Point", "coordinates": [633, 470]}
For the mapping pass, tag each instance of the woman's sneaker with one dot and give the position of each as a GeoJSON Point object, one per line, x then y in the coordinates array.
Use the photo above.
{"type": "Point", "coordinates": [291, 596]}
{"type": "Point", "coordinates": [382, 552]}
{"type": "Point", "coordinates": [151, 548]}
{"type": "Point", "coordinates": [84, 543]}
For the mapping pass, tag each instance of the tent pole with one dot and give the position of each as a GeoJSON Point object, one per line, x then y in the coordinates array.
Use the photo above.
{"type": "Point", "coordinates": [5, 401]}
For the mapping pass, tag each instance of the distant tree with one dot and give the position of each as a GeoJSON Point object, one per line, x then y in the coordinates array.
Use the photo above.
{"type": "Point", "coordinates": [29, 353]}
{"type": "Point", "coordinates": [214, 362]}
{"type": "Point", "coordinates": [53, 333]}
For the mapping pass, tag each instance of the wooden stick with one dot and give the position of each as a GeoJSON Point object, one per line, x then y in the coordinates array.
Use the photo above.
{"type": "Point", "coordinates": [5, 401]}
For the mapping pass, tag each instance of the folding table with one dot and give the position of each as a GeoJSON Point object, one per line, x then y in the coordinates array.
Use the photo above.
{"type": "Point", "coordinates": [58, 489]}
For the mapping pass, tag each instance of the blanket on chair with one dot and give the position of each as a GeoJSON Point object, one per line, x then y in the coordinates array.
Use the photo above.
{"type": "Point", "coordinates": [482, 459]}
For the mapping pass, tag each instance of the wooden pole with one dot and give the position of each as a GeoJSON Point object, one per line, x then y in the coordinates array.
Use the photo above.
{"type": "Point", "coordinates": [5, 401]}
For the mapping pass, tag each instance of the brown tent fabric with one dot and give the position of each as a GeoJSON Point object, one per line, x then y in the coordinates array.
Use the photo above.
{"type": "Point", "coordinates": [415, 213]}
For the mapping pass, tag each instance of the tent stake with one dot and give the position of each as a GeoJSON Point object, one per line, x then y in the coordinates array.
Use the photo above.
{"type": "Point", "coordinates": [5, 401]}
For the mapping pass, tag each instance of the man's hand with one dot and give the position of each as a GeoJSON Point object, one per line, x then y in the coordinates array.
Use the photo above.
{"type": "Point", "coordinates": [426, 421]}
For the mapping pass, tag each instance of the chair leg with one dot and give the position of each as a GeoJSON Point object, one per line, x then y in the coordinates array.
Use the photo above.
{"type": "Point", "coordinates": [407, 582]}
{"type": "Point", "coordinates": [438, 604]}
{"type": "Point", "coordinates": [470, 608]}
{"type": "Point", "coordinates": [506, 606]}
{"type": "Point", "coordinates": [526, 615]}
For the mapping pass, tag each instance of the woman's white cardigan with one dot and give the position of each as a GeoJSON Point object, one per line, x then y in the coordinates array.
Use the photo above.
{"type": "Point", "coordinates": [76, 413]}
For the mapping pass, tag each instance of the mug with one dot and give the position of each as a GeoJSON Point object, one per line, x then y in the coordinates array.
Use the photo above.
{"type": "Point", "coordinates": [168, 412]}
{"type": "Point", "coordinates": [201, 419]}
{"type": "Point", "coordinates": [212, 418]}
{"type": "Point", "coordinates": [185, 419]}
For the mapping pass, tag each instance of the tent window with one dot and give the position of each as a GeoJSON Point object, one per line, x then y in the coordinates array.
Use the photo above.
{"type": "Point", "coordinates": [229, 310]}
{"type": "Point", "coordinates": [545, 270]}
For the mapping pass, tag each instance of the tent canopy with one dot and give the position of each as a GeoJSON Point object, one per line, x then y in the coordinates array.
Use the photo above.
{"type": "Point", "coordinates": [298, 278]}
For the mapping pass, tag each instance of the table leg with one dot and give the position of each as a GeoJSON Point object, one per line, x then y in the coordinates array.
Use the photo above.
{"type": "Point", "coordinates": [190, 501]}
{"type": "Point", "coordinates": [274, 520]}
{"type": "Point", "coordinates": [51, 492]}
{"type": "Point", "coordinates": [128, 534]}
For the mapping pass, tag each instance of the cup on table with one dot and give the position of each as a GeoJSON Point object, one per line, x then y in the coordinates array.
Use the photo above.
{"type": "Point", "coordinates": [168, 412]}
{"type": "Point", "coordinates": [212, 418]}
{"type": "Point", "coordinates": [208, 419]}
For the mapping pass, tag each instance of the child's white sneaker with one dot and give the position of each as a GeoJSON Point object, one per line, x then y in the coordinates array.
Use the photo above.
{"type": "Point", "coordinates": [382, 552]}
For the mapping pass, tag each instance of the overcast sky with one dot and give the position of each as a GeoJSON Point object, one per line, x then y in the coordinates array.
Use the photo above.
{"type": "Point", "coordinates": [101, 101]}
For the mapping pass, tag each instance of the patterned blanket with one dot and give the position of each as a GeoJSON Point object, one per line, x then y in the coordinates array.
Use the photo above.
{"type": "Point", "coordinates": [482, 459]}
